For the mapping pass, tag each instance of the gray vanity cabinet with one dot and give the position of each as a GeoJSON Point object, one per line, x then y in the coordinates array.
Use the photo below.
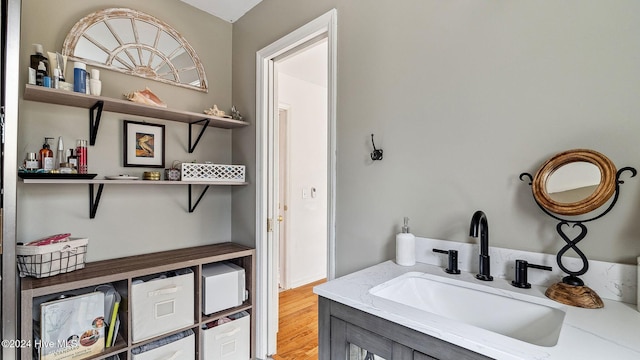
{"type": "Point", "coordinates": [346, 333]}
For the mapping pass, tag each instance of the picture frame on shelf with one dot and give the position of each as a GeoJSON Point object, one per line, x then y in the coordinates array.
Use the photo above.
{"type": "Point", "coordinates": [143, 144]}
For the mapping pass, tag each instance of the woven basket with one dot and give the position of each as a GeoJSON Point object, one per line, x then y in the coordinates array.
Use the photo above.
{"type": "Point", "coordinates": [53, 259]}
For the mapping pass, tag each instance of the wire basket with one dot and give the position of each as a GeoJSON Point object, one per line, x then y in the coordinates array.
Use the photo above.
{"type": "Point", "coordinates": [212, 172]}
{"type": "Point", "coordinates": [53, 259]}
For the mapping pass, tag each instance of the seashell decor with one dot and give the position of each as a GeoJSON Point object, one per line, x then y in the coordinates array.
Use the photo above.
{"type": "Point", "coordinates": [146, 97]}
{"type": "Point", "coordinates": [214, 111]}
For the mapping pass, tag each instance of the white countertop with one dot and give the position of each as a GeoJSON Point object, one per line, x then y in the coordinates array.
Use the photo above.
{"type": "Point", "coordinates": [612, 332]}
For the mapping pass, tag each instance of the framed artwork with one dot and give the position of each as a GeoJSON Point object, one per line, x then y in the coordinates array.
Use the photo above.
{"type": "Point", "coordinates": [143, 144]}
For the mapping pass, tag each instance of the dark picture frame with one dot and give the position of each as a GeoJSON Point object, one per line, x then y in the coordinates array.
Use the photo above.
{"type": "Point", "coordinates": [143, 144]}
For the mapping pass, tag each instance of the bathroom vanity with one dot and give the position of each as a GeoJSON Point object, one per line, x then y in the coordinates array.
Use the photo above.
{"type": "Point", "coordinates": [367, 310]}
{"type": "Point", "coordinates": [344, 329]}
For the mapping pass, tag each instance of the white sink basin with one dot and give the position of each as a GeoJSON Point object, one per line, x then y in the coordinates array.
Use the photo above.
{"type": "Point", "coordinates": [527, 318]}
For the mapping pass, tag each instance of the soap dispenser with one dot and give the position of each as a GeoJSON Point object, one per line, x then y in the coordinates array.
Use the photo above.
{"type": "Point", "coordinates": [37, 58]}
{"type": "Point", "coordinates": [46, 156]}
{"type": "Point", "coordinates": [405, 246]}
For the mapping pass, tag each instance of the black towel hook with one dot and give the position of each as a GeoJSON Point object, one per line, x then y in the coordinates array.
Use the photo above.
{"type": "Point", "coordinates": [376, 154]}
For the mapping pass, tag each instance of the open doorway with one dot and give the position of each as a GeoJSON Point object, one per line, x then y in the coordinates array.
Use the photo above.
{"type": "Point", "coordinates": [267, 184]}
{"type": "Point", "coordinates": [302, 128]}
{"type": "Point", "coordinates": [302, 163]}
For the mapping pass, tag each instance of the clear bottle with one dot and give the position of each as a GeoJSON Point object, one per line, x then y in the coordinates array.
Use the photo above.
{"type": "Point", "coordinates": [47, 162]}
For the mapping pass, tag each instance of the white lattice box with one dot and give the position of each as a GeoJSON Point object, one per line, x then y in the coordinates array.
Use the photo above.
{"type": "Point", "coordinates": [212, 172]}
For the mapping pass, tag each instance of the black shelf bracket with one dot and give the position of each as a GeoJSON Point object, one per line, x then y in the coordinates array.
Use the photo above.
{"type": "Point", "coordinates": [193, 207]}
{"type": "Point", "coordinates": [94, 201]}
{"type": "Point", "coordinates": [192, 147]}
{"type": "Point", "coordinates": [95, 113]}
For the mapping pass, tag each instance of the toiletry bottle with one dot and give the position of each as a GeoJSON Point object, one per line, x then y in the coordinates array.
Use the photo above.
{"type": "Point", "coordinates": [41, 74]}
{"type": "Point", "coordinates": [39, 57]}
{"type": "Point", "coordinates": [56, 79]}
{"type": "Point", "coordinates": [31, 162]}
{"type": "Point", "coordinates": [32, 76]}
{"type": "Point", "coordinates": [79, 77]}
{"type": "Point", "coordinates": [405, 246]}
{"type": "Point", "coordinates": [87, 89]}
{"type": "Point", "coordinates": [46, 156]}
{"type": "Point", "coordinates": [72, 159]}
{"type": "Point", "coordinates": [81, 153]}
{"type": "Point", "coordinates": [60, 158]}
{"type": "Point", "coordinates": [95, 85]}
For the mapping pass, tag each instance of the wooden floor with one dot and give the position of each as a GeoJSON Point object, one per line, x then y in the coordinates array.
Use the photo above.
{"type": "Point", "coordinates": [298, 324]}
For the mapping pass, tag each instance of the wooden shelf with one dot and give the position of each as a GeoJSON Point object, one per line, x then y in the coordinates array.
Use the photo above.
{"type": "Point", "coordinates": [70, 98]}
{"type": "Point", "coordinates": [122, 271]}
{"type": "Point", "coordinates": [95, 195]}
{"type": "Point", "coordinates": [129, 182]}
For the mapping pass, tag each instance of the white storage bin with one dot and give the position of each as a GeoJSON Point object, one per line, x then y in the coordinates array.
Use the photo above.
{"type": "Point", "coordinates": [181, 349]}
{"type": "Point", "coordinates": [229, 341]}
{"type": "Point", "coordinates": [212, 172]}
{"type": "Point", "coordinates": [223, 287]}
{"type": "Point", "coordinates": [161, 305]}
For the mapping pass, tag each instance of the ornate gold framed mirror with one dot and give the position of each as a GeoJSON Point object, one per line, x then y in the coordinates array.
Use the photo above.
{"type": "Point", "coordinates": [575, 182]}
{"type": "Point", "coordinates": [135, 43]}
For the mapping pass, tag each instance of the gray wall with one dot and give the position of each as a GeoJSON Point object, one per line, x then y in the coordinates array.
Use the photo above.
{"type": "Point", "coordinates": [463, 96]}
{"type": "Point", "coordinates": [131, 219]}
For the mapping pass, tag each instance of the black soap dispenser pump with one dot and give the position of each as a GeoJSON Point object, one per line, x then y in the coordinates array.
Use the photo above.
{"type": "Point", "coordinates": [38, 58]}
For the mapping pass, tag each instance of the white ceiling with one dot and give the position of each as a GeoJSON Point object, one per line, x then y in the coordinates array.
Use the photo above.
{"type": "Point", "coordinates": [228, 10]}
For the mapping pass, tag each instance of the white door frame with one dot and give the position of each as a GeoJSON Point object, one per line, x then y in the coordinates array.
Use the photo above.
{"type": "Point", "coordinates": [266, 111]}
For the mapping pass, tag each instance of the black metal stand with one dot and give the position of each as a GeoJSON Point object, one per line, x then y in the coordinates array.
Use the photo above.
{"type": "Point", "coordinates": [572, 278]}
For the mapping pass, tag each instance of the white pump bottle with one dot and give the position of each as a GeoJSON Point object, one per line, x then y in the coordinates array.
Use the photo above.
{"type": "Point", "coordinates": [405, 246]}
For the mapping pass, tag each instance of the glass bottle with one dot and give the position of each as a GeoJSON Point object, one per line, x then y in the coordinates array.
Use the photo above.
{"type": "Point", "coordinates": [46, 156]}
{"type": "Point", "coordinates": [81, 153]}
{"type": "Point", "coordinates": [72, 159]}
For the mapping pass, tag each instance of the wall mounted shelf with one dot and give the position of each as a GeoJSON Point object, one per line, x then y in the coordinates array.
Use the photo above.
{"type": "Point", "coordinates": [98, 104]}
{"type": "Point", "coordinates": [94, 196]}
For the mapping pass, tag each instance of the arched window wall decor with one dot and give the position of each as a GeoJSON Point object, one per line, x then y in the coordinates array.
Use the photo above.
{"type": "Point", "coordinates": [135, 43]}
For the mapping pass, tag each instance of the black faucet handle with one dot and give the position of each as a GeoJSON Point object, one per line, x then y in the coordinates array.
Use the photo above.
{"type": "Point", "coordinates": [521, 273]}
{"type": "Point", "coordinates": [453, 260]}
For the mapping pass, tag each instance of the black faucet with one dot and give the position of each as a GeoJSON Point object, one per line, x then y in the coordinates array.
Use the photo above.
{"type": "Point", "coordinates": [479, 220]}
{"type": "Point", "coordinates": [453, 261]}
{"type": "Point", "coordinates": [521, 273]}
